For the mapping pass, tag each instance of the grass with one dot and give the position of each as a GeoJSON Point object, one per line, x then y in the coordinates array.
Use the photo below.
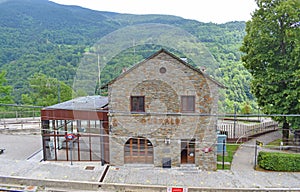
{"type": "Point", "coordinates": [275, 142]}
{"type": "Point", "coordinates": [249, 122]}
{"type": "Point", "coordinates": [230, 151]}
{"type": "Point", "coordinates": [226, 167]}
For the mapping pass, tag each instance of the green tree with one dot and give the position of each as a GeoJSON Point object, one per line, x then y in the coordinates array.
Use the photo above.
{"type": "Point", "coordinates": [46, 91]}
{"type": "Point", "coordinates": [246, 110]}
{"type": "Point", "coordinates": [5, 90]}
{"type": "Point", "coordinates": [272, 55]}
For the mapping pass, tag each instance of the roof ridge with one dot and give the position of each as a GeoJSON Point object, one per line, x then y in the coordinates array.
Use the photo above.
{"type": "Point", "coordinates": [162, 50]}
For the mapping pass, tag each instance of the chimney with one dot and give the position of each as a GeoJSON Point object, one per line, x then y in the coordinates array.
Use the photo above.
{"type": "Point", "coordinates": [184, 59]}
{"type": "Point", "coordinates": [203, 68]}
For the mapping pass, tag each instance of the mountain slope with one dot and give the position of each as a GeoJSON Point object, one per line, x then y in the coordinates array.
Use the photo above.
{"type": "Point", "coordinates": [38, 36]}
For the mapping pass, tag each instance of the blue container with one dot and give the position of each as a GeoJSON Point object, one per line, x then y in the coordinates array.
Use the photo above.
{"type": "Point", "coordinates": [221, 139]}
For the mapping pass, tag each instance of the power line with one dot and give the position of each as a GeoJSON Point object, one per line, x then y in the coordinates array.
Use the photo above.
{"type": "Point", "coordinates": [126, 113]}
{"type": "Point", "coordinates": [17, 105]}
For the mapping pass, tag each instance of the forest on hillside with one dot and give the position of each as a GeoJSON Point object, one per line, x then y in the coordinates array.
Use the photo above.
{"type": "Point", "coordinates": [42, 44]}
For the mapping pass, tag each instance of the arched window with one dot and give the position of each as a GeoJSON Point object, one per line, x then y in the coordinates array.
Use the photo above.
{"type": "Point", "coordinates": [138, 150]}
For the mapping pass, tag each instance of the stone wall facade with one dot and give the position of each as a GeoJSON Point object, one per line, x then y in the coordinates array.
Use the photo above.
{"type": "Point", "coordinates": [162, 80]}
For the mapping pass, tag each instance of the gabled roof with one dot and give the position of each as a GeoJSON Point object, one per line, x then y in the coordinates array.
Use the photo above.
{"type": "Point", "coordinates": [173, 56]}
{"type": "Point", "coordinates": [88, 103]}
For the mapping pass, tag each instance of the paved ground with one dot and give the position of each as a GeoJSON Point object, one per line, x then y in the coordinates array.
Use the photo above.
{"type": "Point", "coordinates": [243, 167]}
{"type": "Point", "coordinates": [22, 159]}
{"type": "Point", "coordinates": [242, 174]}
{"type": "Point", "coordinates": [19, 147]}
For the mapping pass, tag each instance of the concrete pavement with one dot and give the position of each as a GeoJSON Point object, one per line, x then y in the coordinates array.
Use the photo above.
{"type": "Point", "coordinates": [20, 164]}
{"type": "Point", "coordinates": [241, 176]}
{"type": "Point", "coordinates": [243, 167]}
{"type": "Point", "coordinates": [19, 147]}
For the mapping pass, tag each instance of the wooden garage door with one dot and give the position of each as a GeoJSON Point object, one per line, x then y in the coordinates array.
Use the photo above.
{"type": "Point", "coordinates": [138, 150]}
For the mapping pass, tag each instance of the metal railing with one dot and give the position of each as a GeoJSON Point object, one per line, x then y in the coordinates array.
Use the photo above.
{"type": "Point", "coordinates": [239, 130]}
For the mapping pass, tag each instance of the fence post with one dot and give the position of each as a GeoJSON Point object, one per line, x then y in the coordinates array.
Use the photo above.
{"type": "Point", "coordinates": [231, 130]}
{"type": "Point", "coordinates": [255, 154]}
{"type": "Point", "coordinates": [223, 157]}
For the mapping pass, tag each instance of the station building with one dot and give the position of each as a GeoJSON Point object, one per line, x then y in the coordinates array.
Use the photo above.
{"type": "Point", "coordinates": [160, 112]}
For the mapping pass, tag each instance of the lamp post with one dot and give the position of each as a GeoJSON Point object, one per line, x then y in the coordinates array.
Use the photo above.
{"type": "Point", "coordinates": [258, 113]}
{"type": "Point", "coordinates": [58, 92]}
{"type": "Point", "coordinates": [259, 118]}
{"type": "Point", "coordinates": [70, 137]}
{"type": "Point", "coordinates": [234, 120]}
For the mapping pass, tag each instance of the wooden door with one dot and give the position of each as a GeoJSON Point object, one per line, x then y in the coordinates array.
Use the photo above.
{"type": "Point", "coordinates": [187, 151]}
{"type": "Point", "coordinates": [139, 151]}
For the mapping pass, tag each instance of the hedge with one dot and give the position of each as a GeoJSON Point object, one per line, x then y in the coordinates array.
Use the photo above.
{"type": "Point", "coordinates": [276, 161]}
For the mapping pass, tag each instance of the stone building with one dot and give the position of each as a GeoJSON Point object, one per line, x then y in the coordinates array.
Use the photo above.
{"type": "Point", "coordinates": [162, 113]}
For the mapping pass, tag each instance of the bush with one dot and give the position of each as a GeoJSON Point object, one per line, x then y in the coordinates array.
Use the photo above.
{"type": "Point", "coordinates": [276, 161]}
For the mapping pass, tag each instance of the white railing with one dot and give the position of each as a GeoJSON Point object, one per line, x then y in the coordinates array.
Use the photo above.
{"type": "Point", "coordinates": [20, 123]}
{"type": "Point", "coordinates": [236, 130]}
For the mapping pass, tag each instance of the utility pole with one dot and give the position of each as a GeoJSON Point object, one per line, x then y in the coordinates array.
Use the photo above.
{"type": "Point", "coordinates": [99, 74]}
{"type": "Point", "coordinates": [58, 92]}
{"type": "Point", "coordinates": [133, 45]}
{"type": "Point", "coordinates": [234, 120]}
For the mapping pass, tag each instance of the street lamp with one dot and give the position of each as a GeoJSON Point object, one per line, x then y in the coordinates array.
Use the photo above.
{"type": "Point", "coordinates": [58, 92]}
{"type": "Point", "coordinates": [258, 113]}
{"type": "Point", "coordinates": [234, 120]}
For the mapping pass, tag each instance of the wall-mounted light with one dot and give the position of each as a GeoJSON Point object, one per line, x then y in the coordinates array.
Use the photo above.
{"type": "Point", "coordinates": [167, 140]}
{"type": "Point", "coordinates": [110, 126]}
{"type": "Point", "coordinates": [207, 149]}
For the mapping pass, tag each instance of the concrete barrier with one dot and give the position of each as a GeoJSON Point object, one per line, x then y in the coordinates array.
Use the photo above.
{"type": "Point", "coordinates": [241, 189]}
{"type": "Point", "coordinates": [132, 187]}
{"type": "Point", "coordinates": [158, 188]}
{"type": "Point", "coordinates": [61, 184]}
{"type": "Point", "coordinates": [94, 186]}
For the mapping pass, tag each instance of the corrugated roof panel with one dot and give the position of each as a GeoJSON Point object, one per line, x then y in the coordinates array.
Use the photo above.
{"type": "Point", "coordinates": [82, 103]}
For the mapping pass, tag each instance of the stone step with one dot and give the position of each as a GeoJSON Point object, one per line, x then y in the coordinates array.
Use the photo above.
{"type": "Point", "coordinates": [225, 163]}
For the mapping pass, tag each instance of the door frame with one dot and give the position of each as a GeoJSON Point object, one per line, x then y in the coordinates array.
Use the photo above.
{"type": "Point", "coordinates": [138, 150]}
{"type": "Point", "coordinates": [187, 153]}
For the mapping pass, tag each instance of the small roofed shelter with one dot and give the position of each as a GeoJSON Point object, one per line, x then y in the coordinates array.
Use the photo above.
{"type": "Point", "coordinates": [76, 130]}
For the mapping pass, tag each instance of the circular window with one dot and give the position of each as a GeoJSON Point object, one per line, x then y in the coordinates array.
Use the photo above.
{"type": "Point", "coordinates": [162, 70]}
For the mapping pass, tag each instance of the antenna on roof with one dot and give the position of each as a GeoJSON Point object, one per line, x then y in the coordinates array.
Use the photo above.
{"type": "Point", "coordinates": [99, 73]}
{"type": "Point", "coordinates": [133, 45]}
{"type": "Point", "coordinates": [184, 59]}
{"type": "Point", "coordinates": [203, 68]}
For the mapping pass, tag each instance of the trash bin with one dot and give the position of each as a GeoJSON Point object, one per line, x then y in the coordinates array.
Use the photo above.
{"type": "Point", "coordinates": [221, 139]}
{"type": "Point", "coordinates": [166, 162]}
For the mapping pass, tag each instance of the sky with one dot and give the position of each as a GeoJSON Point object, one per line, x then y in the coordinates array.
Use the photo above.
{"type": "Point", "coordinates": [215, 11]}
